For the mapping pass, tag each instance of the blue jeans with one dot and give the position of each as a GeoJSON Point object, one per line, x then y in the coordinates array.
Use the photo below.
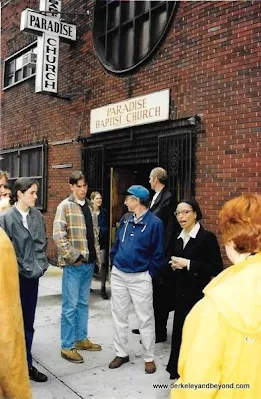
{"type": "Point", "coordinates": [76, 285]}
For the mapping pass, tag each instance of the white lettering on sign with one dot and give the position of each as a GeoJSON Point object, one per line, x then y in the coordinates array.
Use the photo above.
{"type": "Point", "coordinates": [136, 111]}
{"type": "Point", "coordinates": [33, 22]}
{"type": "Point", "coordinates": [50, 29]}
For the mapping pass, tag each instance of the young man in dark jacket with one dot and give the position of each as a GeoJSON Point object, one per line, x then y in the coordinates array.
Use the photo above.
{"type": "Point", "coordinates": [137, 255]}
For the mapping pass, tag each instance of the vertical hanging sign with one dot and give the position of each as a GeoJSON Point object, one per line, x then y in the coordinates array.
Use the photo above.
{"type": "Point", "coordinates": [50, 29]}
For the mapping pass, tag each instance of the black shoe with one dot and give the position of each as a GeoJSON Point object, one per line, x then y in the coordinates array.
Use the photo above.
{"type": "Point", "coordinates": [160, 339]}
{"type": "Point", "coordinates": [35, 375]}
{"type": "Point", "coordinates": [104, 294]}
{"type": "Point", "coordinates": [173, 376]}
{"type": "Point", "coordinates": [118, 362]}
{"type": "Point", "coordinates": [135, 331]}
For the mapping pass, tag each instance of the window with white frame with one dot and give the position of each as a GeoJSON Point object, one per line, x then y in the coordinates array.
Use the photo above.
{"type": "Point", "coordinates": [20, 66]}
{"type": "Point", "coordinates": [28, 161]}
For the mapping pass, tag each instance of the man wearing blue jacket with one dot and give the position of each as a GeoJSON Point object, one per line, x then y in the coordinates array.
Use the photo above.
{"type": "Point", "coordinates": [136, 256]}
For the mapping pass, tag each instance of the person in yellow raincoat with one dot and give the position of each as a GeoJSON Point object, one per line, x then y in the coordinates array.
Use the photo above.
{"type": "Point", "coordinates": [220, 354]}
{"type": "Point", "coordinates": [14, 378]}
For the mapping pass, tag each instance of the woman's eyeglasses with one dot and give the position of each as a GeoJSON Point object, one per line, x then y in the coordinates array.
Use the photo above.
{"type": "Point", "coordinates": [184, 212]}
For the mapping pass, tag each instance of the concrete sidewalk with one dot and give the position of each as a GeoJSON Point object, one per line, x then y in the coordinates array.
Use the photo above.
{"type": "Point", "coordinates": [93, 378]}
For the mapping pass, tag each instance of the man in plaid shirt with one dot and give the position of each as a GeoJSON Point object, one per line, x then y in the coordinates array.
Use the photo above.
{"type": "Point", "coordinates": [75, 232]}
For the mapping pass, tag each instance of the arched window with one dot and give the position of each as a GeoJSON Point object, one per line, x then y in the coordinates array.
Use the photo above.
{"type": "Point", "coordinates": [127, 32]}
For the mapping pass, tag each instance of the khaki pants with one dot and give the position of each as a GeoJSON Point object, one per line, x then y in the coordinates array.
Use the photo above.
{"type": "Point", "coordinates": [135, 288]}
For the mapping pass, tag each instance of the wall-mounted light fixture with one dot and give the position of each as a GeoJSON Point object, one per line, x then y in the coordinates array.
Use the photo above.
{"type": "Point", "coordinates": [193, 120]}
{"type": "Point", "coordinates": [80, 139]}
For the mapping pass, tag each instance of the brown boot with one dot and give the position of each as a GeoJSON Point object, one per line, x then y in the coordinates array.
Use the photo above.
{"type": "Point", "coordinates": [87, 345]}
{"type": "Point", "coordinates": [150, 367]}
{"type": "Point", "coordinates": [118, 362]}
{"type": "Point", "coordinates": [72, 355]}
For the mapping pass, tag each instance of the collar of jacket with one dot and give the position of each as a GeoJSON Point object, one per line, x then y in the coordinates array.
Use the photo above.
{"type": "Point", "coordinates": [143, 221]}
{"type": "Point", "coordinates": [18, 214]}
{"type": "Point", "coordinates": [160, 193]}
{"type": "Point", "coordinates": [71, 198]}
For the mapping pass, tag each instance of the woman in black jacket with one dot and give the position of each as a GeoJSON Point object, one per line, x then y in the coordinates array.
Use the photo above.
{"type": "Point", "coordinates": [195, 259]}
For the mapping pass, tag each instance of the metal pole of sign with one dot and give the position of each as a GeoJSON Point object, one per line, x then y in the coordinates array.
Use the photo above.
{"type": "Point", "coordinates": [66, 13]}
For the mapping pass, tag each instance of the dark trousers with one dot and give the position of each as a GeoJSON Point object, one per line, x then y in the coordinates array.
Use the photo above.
{"type": "Point", "coordinates": [28, 294]}
{"type": "Point", "coordinates": [103, 274]}
{"type": "Point", "coordinates": [178, 322]}
{"type": "Point", "coordinates": [162, 304]}
{"type": "Point", "coordinates": [183, 307]}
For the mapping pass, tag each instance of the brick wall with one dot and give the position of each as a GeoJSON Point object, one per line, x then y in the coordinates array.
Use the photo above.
{"type": "Point", "coordinates": [210, 59]}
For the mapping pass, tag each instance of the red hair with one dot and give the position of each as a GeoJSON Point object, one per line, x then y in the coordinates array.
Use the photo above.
{"type": "Point", "coordinates": [240, 222]}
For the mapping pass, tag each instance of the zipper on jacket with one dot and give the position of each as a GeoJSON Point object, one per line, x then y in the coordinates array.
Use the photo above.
{"type": "Point", "coordinates": [34, 256]}
{"type": "Point", "coordinates": [125, 229]}
{"type": "Point", "coordinates": [124, 233]}
{"type": "Point", "coordinates": [39, 266]}
{"type": "Point", "coordinates": [143, 229]}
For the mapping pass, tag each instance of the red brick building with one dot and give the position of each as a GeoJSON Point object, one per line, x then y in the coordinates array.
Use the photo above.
{"type": "Point", "coordinates": [207, 54]}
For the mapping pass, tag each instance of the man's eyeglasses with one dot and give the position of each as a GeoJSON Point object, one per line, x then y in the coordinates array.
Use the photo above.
{"type": "Point", "coordinates": [184, 212]}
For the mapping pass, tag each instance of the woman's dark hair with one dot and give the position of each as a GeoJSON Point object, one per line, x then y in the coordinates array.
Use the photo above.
{"type": "Point", "coordinates": [194, 205]}
{"type": "Point", "coordinates": [22, 184]}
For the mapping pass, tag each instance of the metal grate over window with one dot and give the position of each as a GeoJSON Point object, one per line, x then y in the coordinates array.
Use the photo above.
{"type": "Point", "coordinates": [93, 165]}
{"type": "Point", "coordinates": [29, 161]}
{"type": "Point", "coordinates": [127, 32]}
{"type": "Point", "coordinates": [176, 154]}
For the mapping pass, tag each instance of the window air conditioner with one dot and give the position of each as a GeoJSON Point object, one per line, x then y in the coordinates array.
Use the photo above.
{"type": "Point", "coordinates": [29, 60]}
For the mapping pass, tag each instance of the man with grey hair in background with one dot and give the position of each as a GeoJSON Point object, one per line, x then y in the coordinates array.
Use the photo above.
{"type": "Point", "coordinates": [163, 206]}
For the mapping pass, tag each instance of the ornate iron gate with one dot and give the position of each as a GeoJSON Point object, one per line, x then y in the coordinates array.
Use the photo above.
{"type": "Point", "coordinates": [172, 146]}
{"type": "Point", "coordinates": [176, 154]}
{"type": "Point", "coordinates": [93, 167]}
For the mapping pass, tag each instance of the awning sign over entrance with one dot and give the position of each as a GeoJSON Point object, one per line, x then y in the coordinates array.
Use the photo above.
{"type": "Point", "coordinates": [132, 112]}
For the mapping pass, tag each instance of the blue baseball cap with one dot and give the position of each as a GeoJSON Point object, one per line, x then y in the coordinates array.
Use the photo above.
{"type": "Point", "coordinates": [139, 191]}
